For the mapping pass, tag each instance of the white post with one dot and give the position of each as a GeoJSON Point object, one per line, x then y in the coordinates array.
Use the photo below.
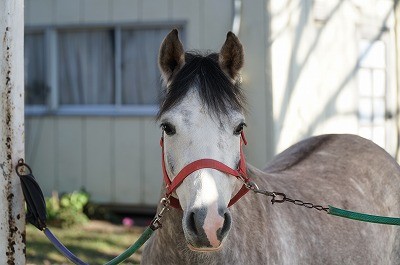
{"type": "Point", "coordinates": [12, 217]}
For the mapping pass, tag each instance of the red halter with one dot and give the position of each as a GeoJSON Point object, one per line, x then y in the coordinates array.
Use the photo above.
{"type": "Point", "coordinates": [241, 172]}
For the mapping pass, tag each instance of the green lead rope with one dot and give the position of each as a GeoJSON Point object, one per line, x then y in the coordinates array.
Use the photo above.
{"type": "Point", "coordinates": [364, 217]}
{"type": "Point", "coordinates": [132, 249]}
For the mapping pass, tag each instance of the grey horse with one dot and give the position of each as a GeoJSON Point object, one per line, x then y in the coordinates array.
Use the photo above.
{"type": "Point", "coordinates": [200, 118]}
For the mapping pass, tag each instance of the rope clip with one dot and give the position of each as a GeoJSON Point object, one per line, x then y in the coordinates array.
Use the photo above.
{"type": "Point", "coordinates": [156, 223]}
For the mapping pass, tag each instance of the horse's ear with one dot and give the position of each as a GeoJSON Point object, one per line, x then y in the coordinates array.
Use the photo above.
{"type": "Point", "coordinates": [171, 57]}
{"type": "Point", "coordinates": [231, 56]}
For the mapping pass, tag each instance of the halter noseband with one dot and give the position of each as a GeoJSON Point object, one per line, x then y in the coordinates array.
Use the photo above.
{"type": "Point", "coordinates": [241, 173]}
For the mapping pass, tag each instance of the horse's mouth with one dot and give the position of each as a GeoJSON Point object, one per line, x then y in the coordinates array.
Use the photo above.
{"type": "Point", "coordinates": [205, 249]}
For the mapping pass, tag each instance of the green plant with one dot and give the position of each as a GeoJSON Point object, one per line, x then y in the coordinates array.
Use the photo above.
{"type": "Point", "coordinates": [75, 200]}
{"type": "Point", "coordinates": [67, 210]}
{"type": "Point", "coordinates": [100, 212]}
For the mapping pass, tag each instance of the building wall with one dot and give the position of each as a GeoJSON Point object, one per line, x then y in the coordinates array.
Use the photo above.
{"type": "Point", "coordinates": [114, 159]}
{"type": "Point", "coordinates": [301, 78]}
{"type": "Point", "coordinates": [315, 62]}
{"type": "Point", "coordinates": [206, 20]}
{"type": "Point", "coordinates": [117, 158]}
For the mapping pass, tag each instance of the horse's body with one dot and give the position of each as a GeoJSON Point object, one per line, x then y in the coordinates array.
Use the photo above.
{"type": "Point", "coordinates": [344, 171]}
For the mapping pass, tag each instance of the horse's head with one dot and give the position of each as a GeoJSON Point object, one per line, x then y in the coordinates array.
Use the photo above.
{"type": "Point", "coordinates": [202, 118]}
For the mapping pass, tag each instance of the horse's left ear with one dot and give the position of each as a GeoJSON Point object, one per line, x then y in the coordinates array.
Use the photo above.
{"type": "Point", "coordinates": [231, 56]}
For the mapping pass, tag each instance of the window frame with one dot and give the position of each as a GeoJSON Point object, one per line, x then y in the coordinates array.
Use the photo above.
{"type": "Point", "coordinates": [372, 33]}
{"type": "Point", "coordinates": [53, 106]}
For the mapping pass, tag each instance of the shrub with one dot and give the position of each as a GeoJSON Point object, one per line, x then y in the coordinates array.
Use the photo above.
{"type": "Point", "coordinates": [100, 212]}
{"type": "Point", "coordinates": [67, 210]}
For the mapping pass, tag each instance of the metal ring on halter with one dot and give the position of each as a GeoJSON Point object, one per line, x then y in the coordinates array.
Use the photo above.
{"type": "Point", "coordinates": [252, 186]}
{"type": "Point", "coordinates": [165, 201]}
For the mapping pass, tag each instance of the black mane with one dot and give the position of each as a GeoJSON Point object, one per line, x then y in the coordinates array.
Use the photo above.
{"type": "Point", "coordinates": [217, 92]}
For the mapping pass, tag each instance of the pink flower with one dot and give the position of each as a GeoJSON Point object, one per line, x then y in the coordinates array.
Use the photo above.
{"type": "Point", "coordinates": [127, 222]}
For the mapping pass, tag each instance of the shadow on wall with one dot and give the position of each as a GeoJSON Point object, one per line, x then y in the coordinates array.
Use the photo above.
{"type": "Point", "coordinates": [296, 68]}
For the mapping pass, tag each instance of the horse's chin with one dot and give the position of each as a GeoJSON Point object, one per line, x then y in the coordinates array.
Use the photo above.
{"type": "Point", "coordinates": [204, 249]}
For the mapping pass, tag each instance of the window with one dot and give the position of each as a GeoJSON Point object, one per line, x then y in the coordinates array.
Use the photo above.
{"type": "Point", "coordinates": [93, 71]}
{"type": "Point", "coordinates": [86, 67]}
{"type": "Point", "coordinates": [36, 89]}
{"type": "Point", "coordinates": [139, 52]}
{"type": "Point", "coordinates": [372, 91]}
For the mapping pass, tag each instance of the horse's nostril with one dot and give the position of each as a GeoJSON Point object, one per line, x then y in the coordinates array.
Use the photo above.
{"type": "Point", "coordinates": [191, 223]}
{"type": "Point", "coordinates": [225, 227]}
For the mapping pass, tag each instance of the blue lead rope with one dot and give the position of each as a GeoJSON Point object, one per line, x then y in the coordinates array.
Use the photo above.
{"type": "Point", "coordinates": [60, 247]}
{"type": "Point", "coordinates": [36, 215]}
{"type": "Point", "coordinates": [117, 260]}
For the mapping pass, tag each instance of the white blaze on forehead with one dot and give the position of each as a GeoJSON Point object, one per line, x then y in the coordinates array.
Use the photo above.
{"type": "Point", "coordinates": [208, 192]}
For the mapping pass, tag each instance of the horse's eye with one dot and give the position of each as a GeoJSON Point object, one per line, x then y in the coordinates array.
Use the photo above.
{"type": "Point", "coordinates": [168, 128]}
{"type": "Point", "coordinates": [238, 130]}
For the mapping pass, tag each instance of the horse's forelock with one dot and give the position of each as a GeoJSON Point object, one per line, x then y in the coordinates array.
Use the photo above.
{"type": "Point", "coordinates": [216, 90]}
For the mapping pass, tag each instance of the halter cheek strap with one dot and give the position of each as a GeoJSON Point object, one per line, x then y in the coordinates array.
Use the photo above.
{"type": "Point", "coordinates": [241, 172]}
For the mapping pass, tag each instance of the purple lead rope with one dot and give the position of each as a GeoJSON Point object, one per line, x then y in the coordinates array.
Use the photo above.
{"type": "Point", "coordinates": [62, 248]}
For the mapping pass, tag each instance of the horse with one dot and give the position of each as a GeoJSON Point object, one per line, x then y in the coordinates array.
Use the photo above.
{"type": "Point", "coordinates": [202, 117]}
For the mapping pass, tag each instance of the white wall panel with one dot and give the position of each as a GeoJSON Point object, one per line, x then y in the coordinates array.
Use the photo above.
{"type": "Point", "coordinates": [125, 10]}
{"type": "Point", "coordinates": [69, 153]}
{"type": "Point", "coordinates": [155, 10]}
{"type": "Point", "coordinates": [189, 11]}
{"type": "Point", "coordinates": [99, 159]}
{"type": "Point", "coordinates": [40, 152]}
{"type": "Point", "coordinates": [68, 12]}
{"type": "Point", "coordinates": [253, 35]}
{"type": "Point", "coordinates": [96, 11]}
{"type": "Point", "coordinates": [39, 12]}
{"type": "Point", "coordinates": [152, 177]}
{"type": "Point", "coordinates": [216, 22]}
{"type": "Point", "coordinates": [128, 156]}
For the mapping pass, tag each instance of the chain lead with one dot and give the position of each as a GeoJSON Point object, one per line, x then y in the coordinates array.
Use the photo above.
{"type": "Point", "coordinates": [279, 197]}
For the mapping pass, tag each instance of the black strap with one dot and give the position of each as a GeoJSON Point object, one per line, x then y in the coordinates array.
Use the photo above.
{"type": "Point", "coordinates": [36, 205]}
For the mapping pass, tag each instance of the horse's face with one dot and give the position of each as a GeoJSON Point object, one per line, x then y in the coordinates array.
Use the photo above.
{"type": "Point", "coordinates": [192, 132]}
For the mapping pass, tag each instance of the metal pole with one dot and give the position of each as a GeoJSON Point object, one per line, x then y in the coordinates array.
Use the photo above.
{"type": "Point", "coordinates": [12, 217]}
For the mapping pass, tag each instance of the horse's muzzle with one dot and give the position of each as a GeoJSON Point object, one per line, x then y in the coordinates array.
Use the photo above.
{"type": "Point", "coordinates": [204, 229]}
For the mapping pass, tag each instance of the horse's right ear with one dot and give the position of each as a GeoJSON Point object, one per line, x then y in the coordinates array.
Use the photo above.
{"type": "Point", "coordinates": [171, 57]}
